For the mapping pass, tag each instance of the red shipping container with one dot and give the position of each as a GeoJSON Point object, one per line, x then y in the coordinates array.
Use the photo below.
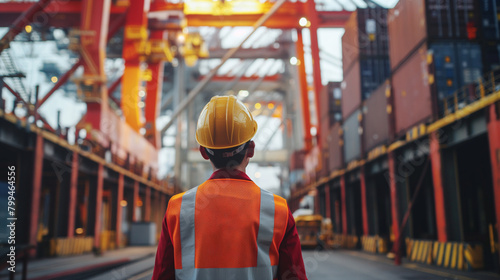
{"type": "Point", "coordinates": [351, 90]}
{"type": "Point", "coordinates": [335, 157]}
{"type": "Point", "coordinates": [406, 27]}
{"type": "Point", "coordinates": [376, 118]}
{"type": "Point", "coordinates": [412, 92]}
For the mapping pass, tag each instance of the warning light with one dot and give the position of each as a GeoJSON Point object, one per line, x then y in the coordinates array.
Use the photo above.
{"type": "Point", "coordinates": [54, 79]}
{"type": "Point", "coordinates": [257, 106]}
{"type": "Point", "coordinates": [449, 82]}
{"type": "Point", "coordinates": [270, 106]}
{"type": "Point", "coordinates": [139, 203]}
{"type": "Point", "coordinates": [447, 59]}
{"type": "Point", "coordinates": [28, 28]}
{"type": "Point", "coordinates": [79, 230]}
{"type": "Point", "coordinates": [123, 203]}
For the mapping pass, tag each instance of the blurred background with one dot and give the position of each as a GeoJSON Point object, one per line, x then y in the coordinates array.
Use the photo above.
{"type": "Point", "coordinates": [379, 122]}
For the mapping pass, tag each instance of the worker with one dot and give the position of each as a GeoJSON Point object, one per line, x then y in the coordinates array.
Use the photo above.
{"type": "Point", "coordinates": [228, 227]}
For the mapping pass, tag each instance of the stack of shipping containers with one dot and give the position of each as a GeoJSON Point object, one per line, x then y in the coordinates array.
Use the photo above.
{"type": "Point", "coordinates": [436, 48]}
{"type": "Point", "coordinates": [365, 57]}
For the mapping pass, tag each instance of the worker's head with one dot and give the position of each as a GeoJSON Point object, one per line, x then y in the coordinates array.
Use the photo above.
{"type": "Point", "coordinates": [224, 131]}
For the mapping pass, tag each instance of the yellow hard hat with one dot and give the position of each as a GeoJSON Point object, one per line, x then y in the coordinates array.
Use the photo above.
{"type": "Point", "coordinates": [224, 123]}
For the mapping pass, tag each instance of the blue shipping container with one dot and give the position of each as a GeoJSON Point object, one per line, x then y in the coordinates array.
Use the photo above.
{"type": "Point", "coordinates": [490, 29]}
{"type": "Point", "coordinates": [455, 65]}
{"type": "Point", "coordinates": [374, 71]}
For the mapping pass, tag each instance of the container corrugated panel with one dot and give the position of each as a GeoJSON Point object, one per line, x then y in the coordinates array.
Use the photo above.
{"type": "Point", "coordinates": [335, 101]}
{"type": "Point", "coordinates": [335, 160]}
{"type": "Point", "coordinates": [352, 137]}
{"type": "Point", "coordinates": [467, 19]}
{"type": "Point", "coordinates": [350, 43]}
{"type": "Point", "coordinates": [351, 90]}
{"type": "Point", "coordinates": [470, 66]}
{"type": "Point", "coordinates": [490, 52]}
{"type": "Point", "coordinates": [446, 65]}
{"type": "Point", "coordinates": [490, 28]}
{"type": "Point", "coordinates": [376, 118]}
{"type": "Point", "coordinates": [412, 93]}
{"type": "Point", "coordinates": [365, 35]}
{"type": "Point", "coordinates": [406, 28]}
{"type": "Point", "coordinates": [374, 71]}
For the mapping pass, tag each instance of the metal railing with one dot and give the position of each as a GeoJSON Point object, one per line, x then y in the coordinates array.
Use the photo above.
{"type": "Point", "coordinates": [486, 85]}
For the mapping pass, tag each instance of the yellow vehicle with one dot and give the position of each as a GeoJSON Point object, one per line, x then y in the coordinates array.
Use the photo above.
{"type": "Point", "coordinates": [309, 228]}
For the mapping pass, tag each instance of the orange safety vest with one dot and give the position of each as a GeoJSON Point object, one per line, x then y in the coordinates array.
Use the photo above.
{"type": "Point", "coordinates": [226, 229]}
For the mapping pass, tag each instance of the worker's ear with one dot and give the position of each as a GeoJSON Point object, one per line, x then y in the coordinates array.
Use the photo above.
{"type": "Point", "coordinates": [251, 149]}
{"type": "Point", "coordinates": [204, 153]}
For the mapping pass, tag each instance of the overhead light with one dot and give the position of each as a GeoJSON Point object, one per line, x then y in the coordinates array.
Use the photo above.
{"type": "Point", "coordinates": [28, 28]}
{"type": "Point", "coordinates": [79, 230]}
{"type": "Point", "coordinates": [270, 106]}
{"type": "Point", "coordinates": [294, 60]}
{"type": "Point", "coordinates": [243, 93]}
{"type": "Point", "coordinates": [257, 106]}
{"type": "Point", "coordinates": [142, 93]}
{"type": "Point", "coordinates": [303, 22]}
{"type": "Point", "coordinates": [142, 131]}
{"type": "Point", "coordinates": [54, 79]}
{"type": "Point", "coordinates": [314, 131]}
{"type": "Point", "coordinates": [123, 203]}
{"type": "Point", "coordinates": [141, 104]}
{"type": "Point", "coordinates": [139, 203]}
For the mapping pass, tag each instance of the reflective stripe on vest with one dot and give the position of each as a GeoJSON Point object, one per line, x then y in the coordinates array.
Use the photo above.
{"type": "Point", "coordinates": [263, 270]}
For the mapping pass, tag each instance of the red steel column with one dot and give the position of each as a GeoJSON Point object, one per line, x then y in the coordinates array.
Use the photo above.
{"type": "Point", "coordinates": [119, 210]}
{"type": "Point", "coordinates": [153, 91]}
{"type": "Point", "coordinates": [494, 139]}
{"type": "Point", "coordinates": [364, 207]}
{"type": "Point", "coordinates": [327, 202]}
{"type": "Point", "coordinates": [147, 205]}
{"type": "Point", "coordinates": [437, 179]}
{"type": "Point", "coordinates": [37, 187]}
{"type": "Point", "coordinates": [314, 19]}
{"type": "Point", "coordinates": [344, 206]}
{"type": "Point", "coordinates": [136, 201]}
{"type": "Point", "coordinates": [394, 207]}
{"type": "Point", "coordinates": [306, 113]}
{"type": "Point", "coordinates": [98, 206]}
{"type": "Point", "coordinates": [73, 187]}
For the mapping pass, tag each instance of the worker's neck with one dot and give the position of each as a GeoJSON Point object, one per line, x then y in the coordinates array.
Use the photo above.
{"type": "Point", "coordinates": [239, 168]}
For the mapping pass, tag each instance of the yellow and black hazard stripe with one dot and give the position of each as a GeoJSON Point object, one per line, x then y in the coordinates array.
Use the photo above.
{"type": "Point", "coordinates": [449, 255]}
{"type": "Point", "coordinates": [71, 246]}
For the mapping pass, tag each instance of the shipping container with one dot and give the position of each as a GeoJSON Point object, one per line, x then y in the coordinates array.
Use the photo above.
{"type": "Point", "coordinates": [351, 90]}
{"type": "Point", "coordinates": [490, 10]}
{"type": "Point", "coordinates": [412, 92]}
{"type": "Point", "coordinates": [363, 78]}
{"type": "Point", "coordinates": [376, 118]}
{"type": "Point", "coordinates": [330, 109]}
{"type": "Point", "coordinates": [455, 66]}
{"type": "Point", "coordinates": [336, 140]}
{"type": "Point", "coordinates": [490, 52]}
{"type": "Point", "coordinates": [352, 136]}
{"type": "Point", "coordinates": [365, 36]}
{"type": "Point", "coordinates": [410, 23]}
{"type": "Point", "coordinates": [297, 159]}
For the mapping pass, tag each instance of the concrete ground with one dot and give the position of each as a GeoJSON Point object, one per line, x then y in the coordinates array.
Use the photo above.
{"type": "Point", "coordinates": [356, 265]}
{"type": "Point", "coordinates": [320, 265]}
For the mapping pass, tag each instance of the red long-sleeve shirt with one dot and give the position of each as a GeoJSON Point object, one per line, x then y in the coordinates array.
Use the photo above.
{"type": "Point", "coordinates": [291, 265]}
